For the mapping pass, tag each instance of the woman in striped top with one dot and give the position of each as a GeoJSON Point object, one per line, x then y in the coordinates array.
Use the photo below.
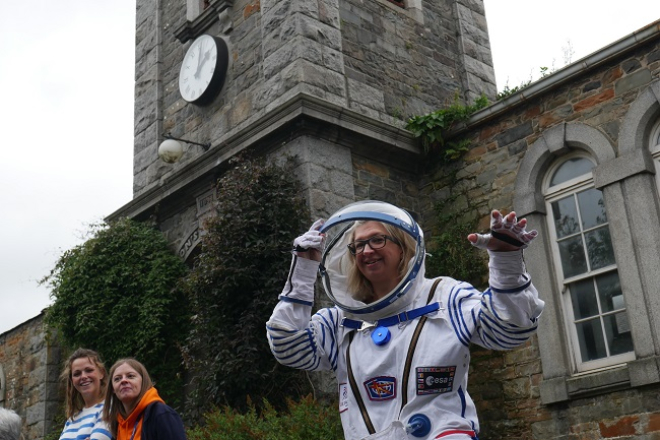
{"type": "Point", "coordinates": [86, 383]}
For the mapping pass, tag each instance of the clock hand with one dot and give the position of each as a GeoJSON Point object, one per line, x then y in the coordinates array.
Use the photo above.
{"type": "Point", "coordinates": [205, 58]}
{"type": "Point", "coordinates": [199, 60]}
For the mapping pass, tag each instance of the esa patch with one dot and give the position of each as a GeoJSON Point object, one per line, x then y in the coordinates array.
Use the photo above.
{"type": "Point", "coordinates": [435, 380]}
{"type": "Point", "coordinates": [381, 388]}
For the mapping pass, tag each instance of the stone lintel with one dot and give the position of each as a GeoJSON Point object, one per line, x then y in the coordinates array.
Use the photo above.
{"type": "Point", "coordinates": [328, 120]}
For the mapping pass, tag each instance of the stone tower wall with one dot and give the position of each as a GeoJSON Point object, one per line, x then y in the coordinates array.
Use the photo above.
{"type": "Point", "coordinates": [29, 377]}
{"type": "Point", "coordinates": [376, 58]}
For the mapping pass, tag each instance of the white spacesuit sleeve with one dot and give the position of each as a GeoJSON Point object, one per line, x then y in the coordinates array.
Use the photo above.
{"type": "Point", "coordinates": [514, 296]}
{"type": "Point", "coordinates": [296, 340]}
{"type": "Point", "coordinates": [508, 314]}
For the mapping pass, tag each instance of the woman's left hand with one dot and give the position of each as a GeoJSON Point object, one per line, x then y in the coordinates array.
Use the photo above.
{"type": "Point", "coordinates": [507, 234]}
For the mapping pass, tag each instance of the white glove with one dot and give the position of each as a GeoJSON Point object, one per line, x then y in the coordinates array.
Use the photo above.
{"type": "Point", "coordinates": [507, 229]}
{"type": "Point", "coordinates": [311, 239]}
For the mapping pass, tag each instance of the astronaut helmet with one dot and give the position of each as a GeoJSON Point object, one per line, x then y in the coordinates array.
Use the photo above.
{"type": "Point", "coordinates": [343, 281]}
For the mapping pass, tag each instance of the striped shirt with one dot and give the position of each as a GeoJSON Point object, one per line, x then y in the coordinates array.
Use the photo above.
{"type": "Point", "coordinates": [87, 424]}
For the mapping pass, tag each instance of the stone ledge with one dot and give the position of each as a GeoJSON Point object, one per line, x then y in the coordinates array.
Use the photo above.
{"type": "Point", "coordinates": [634, 374]}
{"type": "Point", "coordinates": [193, 29]}
{"type": "Point", "coordinates": [563, 389]}
{"type": "Point", "coordinates": [334, 118]}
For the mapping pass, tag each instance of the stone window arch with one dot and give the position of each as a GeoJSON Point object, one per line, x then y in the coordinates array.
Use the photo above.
{"type": "Point", "coordinates": [654, 148]}
{"type": "Point", "coordinates": [633, 221]}
{"type": "Point", "coordinates": [597, 325]}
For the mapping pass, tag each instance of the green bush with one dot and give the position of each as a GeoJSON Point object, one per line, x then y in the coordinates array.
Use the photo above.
{"type": "Point", "coordinates": [305, 419]}
{"type": "Point", "coordinates": [234, 286]}
{"type": "Point", "coordinates": [452, 255]}
{"type": "Point", "coordinates": [117, 294]}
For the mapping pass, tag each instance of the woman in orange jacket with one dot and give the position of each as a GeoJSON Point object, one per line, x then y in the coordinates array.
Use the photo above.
{"type": "Point", "coordinates": [133, 408]}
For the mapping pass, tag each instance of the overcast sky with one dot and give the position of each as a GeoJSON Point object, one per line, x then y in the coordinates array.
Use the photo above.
{"type": "Point", "coordinates": [67, 77]}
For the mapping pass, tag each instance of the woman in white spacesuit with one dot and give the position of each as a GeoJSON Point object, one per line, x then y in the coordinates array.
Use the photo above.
{"type": "Point", "coordinates": [398, 342]}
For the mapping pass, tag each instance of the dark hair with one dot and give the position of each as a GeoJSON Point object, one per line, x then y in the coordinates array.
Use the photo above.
{"type": "Point", "coordinates": [74, 401]}
{"type": "Point", "coordinates": [113, 406]}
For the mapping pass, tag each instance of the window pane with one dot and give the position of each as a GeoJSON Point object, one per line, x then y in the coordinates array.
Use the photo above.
{"type": "Point", "coordinates": [583, 296]}
{"type": "Point", "coordinates": [573, 260]}
{"type": "Point", "coordinates": [565, 215]}
{"type": "Point", "coordinates": [609, 292]}
{"type": "Point", "coordinates": [599, 248]}
{"type": "Point", "coordinates": [617, 329]}
{"type": "Point", "coordinates": [590, 335]}
{"type": "Point", "coordinates": [571, 168]}
{"type": "Point", "coordinates": [592, 208]}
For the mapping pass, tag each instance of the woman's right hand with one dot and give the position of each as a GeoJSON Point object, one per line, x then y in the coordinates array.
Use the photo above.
{"type": "Point", "coordinates": [310, 244]}
{"type": "Point", "coordinates": [507, 233]}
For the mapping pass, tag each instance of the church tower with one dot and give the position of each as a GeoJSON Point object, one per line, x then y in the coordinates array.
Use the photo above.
{"type": "Point", "coordinates": [331, 81]}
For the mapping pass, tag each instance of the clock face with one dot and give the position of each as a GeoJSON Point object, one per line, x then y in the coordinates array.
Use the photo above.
{"type": "Point", "coordinates": [203, 69]}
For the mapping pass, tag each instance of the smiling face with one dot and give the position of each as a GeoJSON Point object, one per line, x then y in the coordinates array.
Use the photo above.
{"type": "Point", "coordinates": [86, 378]}
{"type": "Point", "coordinates": [127, 385]}
{"type": "Point", "coordinates": [379, 266]}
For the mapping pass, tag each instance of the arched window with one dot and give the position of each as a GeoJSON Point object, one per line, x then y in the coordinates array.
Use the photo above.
{"type": "Point", "coordinates": [592, 298]}
{"type": "Point", "coordinates": [654, 146]}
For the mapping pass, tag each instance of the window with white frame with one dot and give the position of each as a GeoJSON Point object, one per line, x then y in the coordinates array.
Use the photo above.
{"type": "Point", "coordinates": [592, 298]}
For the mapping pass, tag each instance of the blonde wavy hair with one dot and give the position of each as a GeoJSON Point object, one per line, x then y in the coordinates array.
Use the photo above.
{"type": "Point", "coordinates": [358, 286]}
{"type": "Point", "coordinates": [74, 401]}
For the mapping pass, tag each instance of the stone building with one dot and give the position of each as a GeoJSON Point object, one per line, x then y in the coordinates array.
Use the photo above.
{"type": "Point", "coordinates": [29, 372]}
{"type": "Point", "coordinates": [333, 81]}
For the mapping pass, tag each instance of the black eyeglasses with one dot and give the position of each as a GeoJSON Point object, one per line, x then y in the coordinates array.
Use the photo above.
{"type": "Point", "coordinates": [375, 242]}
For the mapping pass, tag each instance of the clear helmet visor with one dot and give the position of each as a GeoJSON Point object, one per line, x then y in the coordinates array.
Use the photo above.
{"type": "Point", "coordinates": [342, 279]}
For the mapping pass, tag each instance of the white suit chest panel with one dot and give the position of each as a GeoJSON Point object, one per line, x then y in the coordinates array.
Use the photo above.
{"type": "Point", "coordinates": [439, 366]}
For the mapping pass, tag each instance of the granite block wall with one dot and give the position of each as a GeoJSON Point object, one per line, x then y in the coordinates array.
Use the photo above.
{"type": "Point", "coordinates": [29, 366]}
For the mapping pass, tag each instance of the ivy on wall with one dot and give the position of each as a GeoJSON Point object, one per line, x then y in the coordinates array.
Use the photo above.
{"type": "Point", "coordinates": [118, 294]}
{"type": "Point", "coordinates": [452, 255]}
{"type": "Point", "coordinates": [235, 283]}
{"type": "Point", "coordinates": [433, 128]}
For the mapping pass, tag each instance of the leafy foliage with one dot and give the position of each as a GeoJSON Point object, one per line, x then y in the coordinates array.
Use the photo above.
{"type": "Point", "coordinates": [234, 285]}
{"type": "Point", "coordinates": [508, 91]}
{"type": "Point", "coordinates": [116, 293]}
{"type": "Point", "coordinates": [433, 127]}
{"type": "Point", "coordinates": [57, 425]}
{"type": "Point", "coordinates": [305, 419]}
{"type": "Point", "coordinates": [452, 254]}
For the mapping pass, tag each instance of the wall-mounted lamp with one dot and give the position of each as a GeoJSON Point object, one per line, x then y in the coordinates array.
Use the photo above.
{"type": "Point", "coordinates": [171, 150]}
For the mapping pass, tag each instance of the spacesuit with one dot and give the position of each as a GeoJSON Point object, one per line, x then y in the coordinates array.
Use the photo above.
{"type": "Point", "coordinates": [402, 361]}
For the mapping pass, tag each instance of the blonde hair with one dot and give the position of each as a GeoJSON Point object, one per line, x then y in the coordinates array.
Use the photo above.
{"type": "Point", "coordinates": [358, 286]}
{"type": "Point", "coordinates": [74, 400]}
{"type": "Point", "coordinates": [113, 406]}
